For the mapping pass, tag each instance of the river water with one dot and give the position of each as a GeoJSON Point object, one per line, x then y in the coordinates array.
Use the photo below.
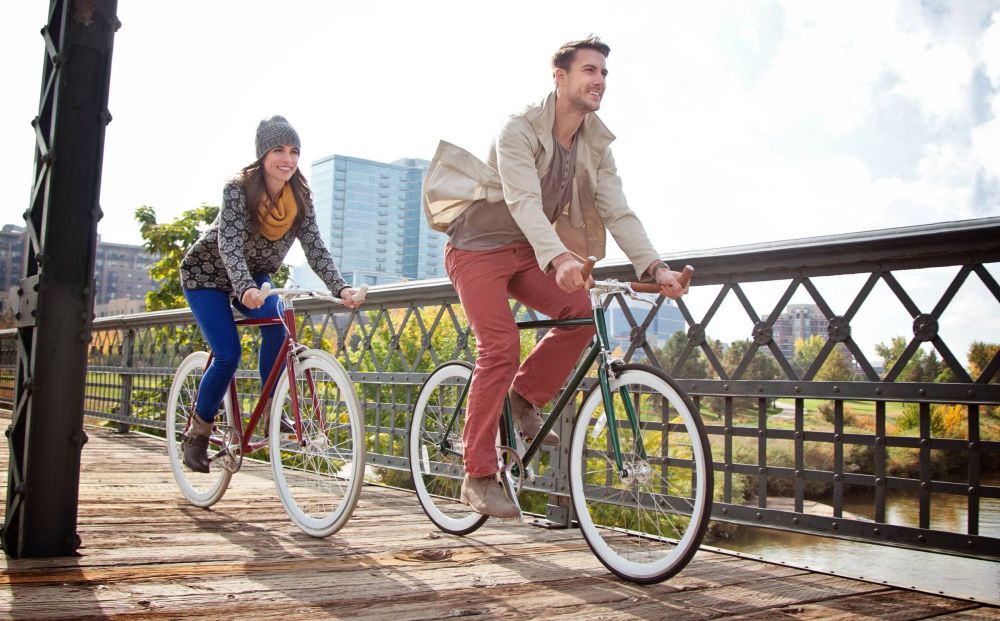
{"type": "Point", "coordinates": [925, 571]}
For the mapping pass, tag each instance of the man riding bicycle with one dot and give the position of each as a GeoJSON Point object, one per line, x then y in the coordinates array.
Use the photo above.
{"type": "Point", "coordinates": [518, 226]}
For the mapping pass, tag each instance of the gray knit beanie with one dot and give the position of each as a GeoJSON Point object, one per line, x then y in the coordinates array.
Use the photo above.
{"type": "Point", "coordinates": [274, 132]}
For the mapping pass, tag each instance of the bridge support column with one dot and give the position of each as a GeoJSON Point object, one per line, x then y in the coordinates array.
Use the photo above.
{"type": "Point", "coordinates": [56, 295]}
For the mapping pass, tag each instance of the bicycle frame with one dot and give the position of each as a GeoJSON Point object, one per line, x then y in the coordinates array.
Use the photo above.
{"type": "Point", "coordinates": [600, 351]}
{"type": "Point", "coordinates": [284, 361]}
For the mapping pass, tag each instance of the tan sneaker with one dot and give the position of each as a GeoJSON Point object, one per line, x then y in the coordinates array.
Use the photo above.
{"type": "Point", "coordinates": [485, 495]}
{"type": "Point", "coordinates": [527, 419]}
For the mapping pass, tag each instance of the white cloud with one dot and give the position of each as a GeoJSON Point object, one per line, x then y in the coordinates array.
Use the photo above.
{"type": "Point", "coordinates": [989, 47]}
{"type": "Point", "coordinates": [738, 123]}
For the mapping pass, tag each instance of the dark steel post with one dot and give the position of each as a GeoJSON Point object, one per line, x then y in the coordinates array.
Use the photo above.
{"type": "Point", "coordinates": [56, 294]}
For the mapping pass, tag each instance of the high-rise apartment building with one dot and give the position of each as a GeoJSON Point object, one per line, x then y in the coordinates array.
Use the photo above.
{"type": "Point", "coordinates": [799, 321]}
{"type": "Point", "coordinates": [370, 217]}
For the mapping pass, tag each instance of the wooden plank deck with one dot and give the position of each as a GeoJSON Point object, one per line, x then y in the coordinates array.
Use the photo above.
{"type": "Point", "coordinates": [147, 554]}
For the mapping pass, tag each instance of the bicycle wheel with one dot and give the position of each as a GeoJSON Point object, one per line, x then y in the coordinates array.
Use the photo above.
{"type": "Point", "coordinates": [646, 523]}
{"type": "Point", "coordinates": [435, 449]}
{"type": "Point", "coordinates": [202, 490]}
{"type": "Point", "coordinates": [319, 479]}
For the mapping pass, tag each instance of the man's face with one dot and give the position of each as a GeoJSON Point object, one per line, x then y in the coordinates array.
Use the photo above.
{"type": "Point", "coordinates": [583, 85]}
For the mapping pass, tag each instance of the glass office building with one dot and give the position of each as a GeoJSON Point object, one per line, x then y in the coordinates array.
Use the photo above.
{"type": "Point", "coordinates": [667, 320]}
{"type": "Point", "coordinates": [370, 217]}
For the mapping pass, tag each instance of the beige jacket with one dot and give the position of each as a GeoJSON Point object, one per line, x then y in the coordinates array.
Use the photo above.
{"type": "Point", "coordinates": [519, 157]}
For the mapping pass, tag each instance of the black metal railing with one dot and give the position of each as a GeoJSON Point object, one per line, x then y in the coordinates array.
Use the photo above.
{"type": "Point", "coordinates": [781, 438]}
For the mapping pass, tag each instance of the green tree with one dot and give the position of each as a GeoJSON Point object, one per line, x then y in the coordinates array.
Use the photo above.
{"type": "Point", "coordinates": [806, 351]}
{"type": "Point", "coordinates": [762, 366]}
{"type": "Point", "coordinates": [979, 356]}
{"type": "Point", "coordinates": [836, 367]}
{"type": "Point", "coordinates": [170, 241]}
{"type": "Point", "coordinates": [922, 367]}
{"type": "Point", "coordinates": [695, 366]}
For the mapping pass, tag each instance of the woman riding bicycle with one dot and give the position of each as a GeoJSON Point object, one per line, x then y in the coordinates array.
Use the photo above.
{"type": "Point", "coordinates": [265, 208]}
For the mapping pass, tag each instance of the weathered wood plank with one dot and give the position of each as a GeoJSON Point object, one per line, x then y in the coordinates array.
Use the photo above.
{"type": "Point", "coordinates": [149, 555]}
{"type": "Point", "coordinates": [890, 606]}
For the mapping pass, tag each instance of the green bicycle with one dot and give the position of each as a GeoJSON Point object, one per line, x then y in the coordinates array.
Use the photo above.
{"type": "Point", "coordinates": [640, 469]}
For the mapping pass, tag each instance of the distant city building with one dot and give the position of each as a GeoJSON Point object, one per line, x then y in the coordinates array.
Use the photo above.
{"type": "Point", "coordinates": [121, 273]}
{"type": "Point", "coordinates": [120, 306]}
{"type": "Point", "coordinates": [664, 324]}
{"type": "Point", "coordinates": [371, 219]}
{"type": "Point", "coordinates": [799, 321]}
{"type": "Point", "coordinates": [13, 249]}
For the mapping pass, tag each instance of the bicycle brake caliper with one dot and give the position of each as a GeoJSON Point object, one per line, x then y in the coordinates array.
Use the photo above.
{"type": "Point", "coordinates": [615, 366]}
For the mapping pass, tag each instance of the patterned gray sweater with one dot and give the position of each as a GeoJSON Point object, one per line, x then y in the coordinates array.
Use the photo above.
{"type": "Point", "coordinates": [227, 255]}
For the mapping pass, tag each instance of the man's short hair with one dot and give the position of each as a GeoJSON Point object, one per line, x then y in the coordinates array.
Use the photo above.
{"type": "Point", "coordinates": [563, 58]}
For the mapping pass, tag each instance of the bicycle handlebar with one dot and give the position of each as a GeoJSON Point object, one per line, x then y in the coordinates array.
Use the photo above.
{"type": "Point", "coordinates": [641, 287]}
{"type": "Point", "coordinates": [652, 287]}
{"type": "Point", "coordinates": [266, 291]}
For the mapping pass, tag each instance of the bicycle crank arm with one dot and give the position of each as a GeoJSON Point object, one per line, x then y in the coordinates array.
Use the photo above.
{"type": "Point", "coordinates": [509, 488]}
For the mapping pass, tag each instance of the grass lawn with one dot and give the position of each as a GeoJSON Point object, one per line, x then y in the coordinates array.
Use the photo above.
{"type": "Point", "coordinates": [892, 408]}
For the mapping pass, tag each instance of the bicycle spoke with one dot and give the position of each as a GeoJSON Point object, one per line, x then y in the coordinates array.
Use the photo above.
{"type": "Point", "coordinates": [435, 449]}
{"type": "Point", "coordinates": [201, 489]}
{"type": "Point", "coordinates": [646, 521]}
{"type": "Point", "coordinates": [319, 478]}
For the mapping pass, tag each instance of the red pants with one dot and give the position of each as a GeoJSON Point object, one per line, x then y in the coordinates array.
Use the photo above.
{"type": "Point", "coordinates": [485, 280]}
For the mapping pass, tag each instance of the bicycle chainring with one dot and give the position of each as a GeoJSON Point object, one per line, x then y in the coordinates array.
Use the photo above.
{"type": "Point", "coordinates": [232, 454]}
{"type": "Point", "coordinates": [513, 468]}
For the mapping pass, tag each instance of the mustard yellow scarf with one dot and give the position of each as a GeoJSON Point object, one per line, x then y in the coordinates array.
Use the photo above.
{"type": "Point", "coordinates": [275, 221]}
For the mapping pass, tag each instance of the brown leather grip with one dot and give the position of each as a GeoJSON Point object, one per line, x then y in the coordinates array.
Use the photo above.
{"type": "Point", "coordinates": [645, 287]}
{"type": "Point", "coordinates": [588, 267]}
{"type": "Point", "coordinates": [685, 277]}
{"type": "Point", "coordinates": [651, 287]}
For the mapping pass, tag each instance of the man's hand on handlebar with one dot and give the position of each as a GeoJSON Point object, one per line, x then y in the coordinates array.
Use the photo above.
{"type": "Point", "coordinates": [671, 284]}
{"type": "Point", "coordinates": [569, 273]}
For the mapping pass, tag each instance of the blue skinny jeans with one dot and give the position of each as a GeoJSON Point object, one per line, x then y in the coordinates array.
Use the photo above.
{"type": "Point", "coordinates": [211, 309]}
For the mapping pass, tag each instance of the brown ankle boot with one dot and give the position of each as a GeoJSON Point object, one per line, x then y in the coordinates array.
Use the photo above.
{"type": "Point", "coordinates": [196, 444]}
{"type": "Point", "coordinates": [527, 420]}
{"type": "Point", "coordinates": [486, 495]}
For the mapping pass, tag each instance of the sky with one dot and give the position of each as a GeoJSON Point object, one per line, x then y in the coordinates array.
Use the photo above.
{"type": "Point", "coordinates": [736, 122]}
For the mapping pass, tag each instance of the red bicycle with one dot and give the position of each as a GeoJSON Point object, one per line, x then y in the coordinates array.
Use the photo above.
{"type": "Point", "coordinates": [318, 458]}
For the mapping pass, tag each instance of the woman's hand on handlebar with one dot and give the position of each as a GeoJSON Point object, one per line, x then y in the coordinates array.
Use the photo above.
{"type": "Point", "coordinates": [350, 297]}
{"type": "Point", "coordinates": [251, 298]}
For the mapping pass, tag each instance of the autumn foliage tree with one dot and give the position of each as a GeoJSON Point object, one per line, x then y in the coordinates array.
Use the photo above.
{"type": "Point", "coordinates": [170, 241]}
